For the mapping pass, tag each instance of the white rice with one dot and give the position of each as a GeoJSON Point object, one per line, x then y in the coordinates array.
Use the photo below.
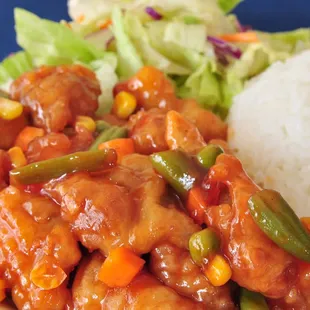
{"type": "Point", "coordinates": [270, 130]}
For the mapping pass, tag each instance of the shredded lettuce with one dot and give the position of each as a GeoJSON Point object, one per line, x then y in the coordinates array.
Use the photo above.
{"type": "Point", "coordinates": [207, 12]}
{"type": "Point", "coordinates": [129, 61]}
{"type": "Point", "coordinates": [161, 38]}
{"type": "Point", "coordinates": [230, 86]}
{"type": "Point", "coordinates": [12, 67]}
{"type": "Point", "coordinates": [106, 75]}
{"type": "Point", "coordinates": [51, 43]}
{"type": "Point", "coordinates": [149, 55]}
{"type": "Point", "coordinates": [281, 45]}
{"type": "Point", "coordinates": [228, 5]}
{"type": "Point", "coordinates": [254, 60]}
{"type": "Point", "coordinates": [203, 85]}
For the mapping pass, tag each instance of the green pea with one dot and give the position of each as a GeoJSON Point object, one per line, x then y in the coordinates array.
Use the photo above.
{"type": "Point", "coordinates": [202, 244]}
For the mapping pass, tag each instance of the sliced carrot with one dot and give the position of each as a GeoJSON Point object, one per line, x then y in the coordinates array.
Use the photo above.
{"type": "Point", "coordinates": [122, 146]}
{"type": "Point", "coordinates": [120, 267]}
{"type": "Point", "coordinates": [105, 24]}
{"type": "Point", "coordinates": [196, 204]}
{"type": "Point", "coordinates": [27, 135]}
{"type": "Point", "coordinates": [241, 37]}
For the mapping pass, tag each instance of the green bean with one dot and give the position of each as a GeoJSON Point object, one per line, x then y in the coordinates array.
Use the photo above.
{"type": "Point", "coordinates": [279, 222]}
{"type": "Point", "coordinates": [203, 244]}
{"type": "Point", "coordinates": [111, 133]}
{"type": "Point", "coordinates": [207, 156]}
{"type": "Point", "coordinates": [46, 170]}
{"type": "Point", "coordinates": [102, 125]}
{"type": "Point", "coordinates": [252, 301]}
{"type": "Point", "coordinates": [179, 170]}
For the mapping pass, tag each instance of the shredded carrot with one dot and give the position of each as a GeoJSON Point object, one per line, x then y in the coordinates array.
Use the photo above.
{"type": "Point", "coordinates": [120, 267]}
{"type": "Point", "coordinates": [241, 37]}
{"type": "Point", "coordinates": [2, 290]}
{"type": "Point", "coordinates": [122, 146]}
{"type": "Point", "coordinates": [196, 204]}
{"type": "Point", "coordinates": [27, 135]}
{"type": "Point", "coordinates": [80, 18]}
{"type": "Point", "coordinates": [106, 24]}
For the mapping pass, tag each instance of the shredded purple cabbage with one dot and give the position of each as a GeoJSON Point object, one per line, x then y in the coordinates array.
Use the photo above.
{"type": "Point", "coordinates": [153, 13]}
{"type": "Point", "coordinates": [222, 48]}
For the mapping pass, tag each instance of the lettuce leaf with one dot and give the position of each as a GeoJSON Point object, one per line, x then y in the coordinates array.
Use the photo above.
{"type": "Point", "coordinates": [230, 86]}
{"type": "Point", "coordinates": [203, 85]}
{"type": "Point", "coordinates": [207, 12]}
{"type": "Point", "coordinates": [129, 60]}
{"type": "Point", "coordinates": [105, 73]}
{"type": "Point", "coordinates": [149, 55]}
{"type": "Point", "coordinates": [12, 67]}
{"type": "Point", "coordinates": [51, 43]}
{"type": "Point", "coordinates": [288, 42]}
{"type": "Point", "coordinates": [255, 58]}
{"type": "Point", "coordinates": [228, 5]}
{"type": "Point", "coordinates": [161, 37]}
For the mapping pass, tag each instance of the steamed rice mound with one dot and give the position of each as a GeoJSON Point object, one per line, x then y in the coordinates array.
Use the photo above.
{"type": "Point", "coordinates": [270, 130]}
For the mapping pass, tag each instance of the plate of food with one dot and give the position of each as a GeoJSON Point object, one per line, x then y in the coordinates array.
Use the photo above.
{"type": "Point", "coordinates": [154, 156]}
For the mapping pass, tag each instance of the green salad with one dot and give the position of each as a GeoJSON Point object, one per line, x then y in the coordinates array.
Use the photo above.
{"type": "Point", "coordinates": [199, 44]}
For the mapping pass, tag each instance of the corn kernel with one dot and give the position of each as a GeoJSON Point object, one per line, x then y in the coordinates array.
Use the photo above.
{"type": "Point", "coordinates": [124, 105]}
{"type": "Point", "coordinates": [218, 271]}
{"type": "Point", "coordinates": [2, 290]}
{"type": "Point", "coordinates": [86, 122]}
{"type": "Point", "coordinates": [17, 157]}
{"type": "Point", "coordinates": [10, 109]}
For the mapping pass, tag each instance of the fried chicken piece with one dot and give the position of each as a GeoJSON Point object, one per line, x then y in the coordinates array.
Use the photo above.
{"type": "Point", "coordinates": [10, 130]}
{"type": "Point", "coordinates": [121, 208]}
{"type": "Point", "coordinates": [147, 129]}
{"type": "Point", "coordinates": [49, 146]}
{"type": "Point", "coordinates": [37, 250]}
{"type": "Point", "coordinates": [81, 140]}
{"type": "Point", "coordinates": [55, 95]}
{"type": "Point", "coordinates": [153, 90]}
{"type": "Point", "coordinates": [298, 297]}
{"type": "Point", "coordinates": [182, 134]}
{"type": "Point", "coordinates": [144, 292]}
{"type": "Point", "coordinates": [209, 125]}
{"type": "Point", "coordinates": [175, 268]}
{"type": "Point", "coordinates": [257, 263]}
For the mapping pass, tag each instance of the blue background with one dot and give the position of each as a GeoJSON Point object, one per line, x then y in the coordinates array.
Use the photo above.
{"type": "Point", "coordinates": [269, 15]}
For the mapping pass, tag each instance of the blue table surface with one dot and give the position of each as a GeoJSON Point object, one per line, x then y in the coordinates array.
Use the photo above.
{"type": "Point", "coordinates": [268, 15]}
